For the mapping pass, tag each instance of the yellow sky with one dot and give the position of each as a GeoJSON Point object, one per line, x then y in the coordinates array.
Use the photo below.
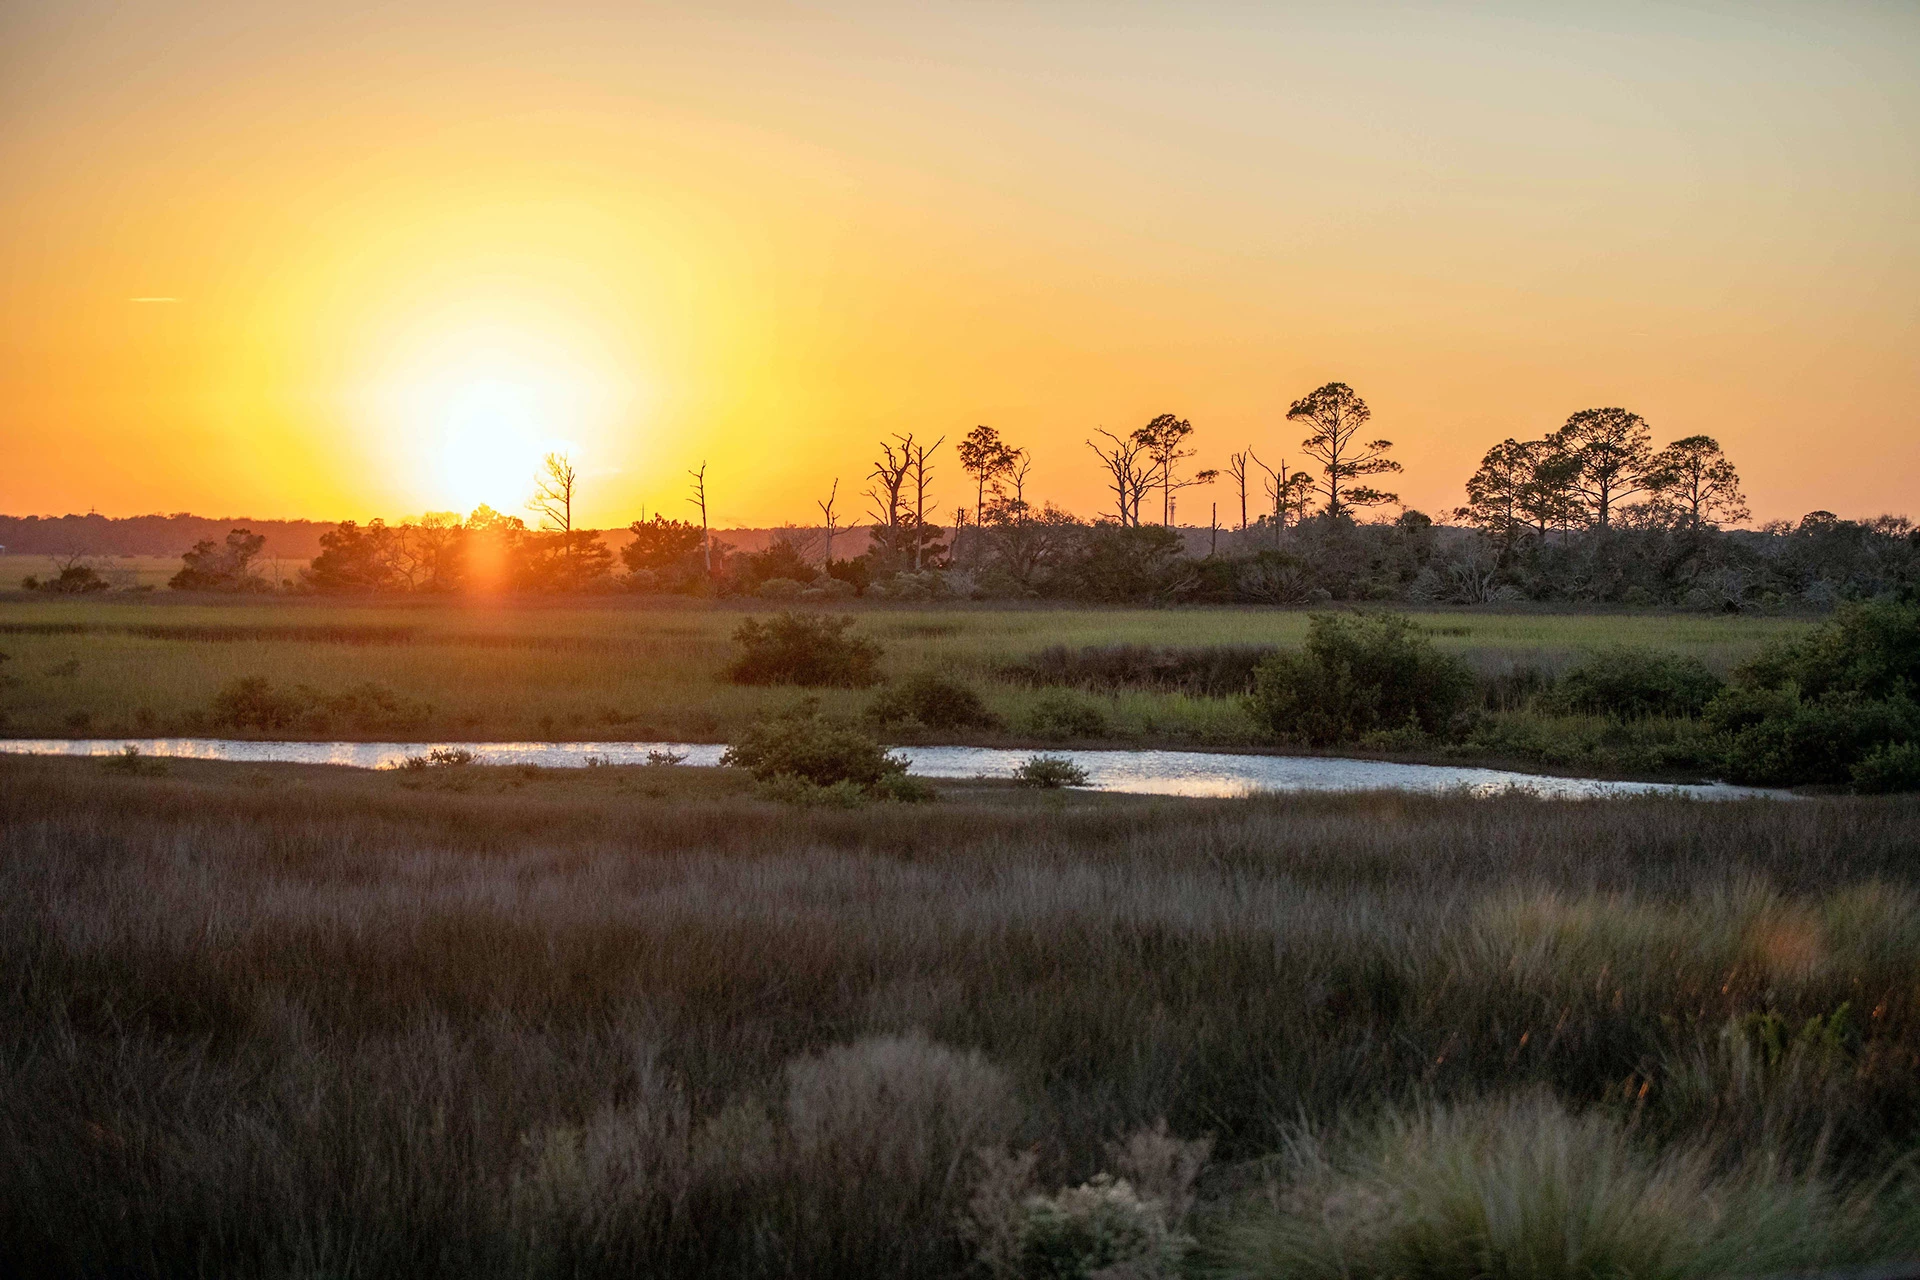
{"type": "Point", "coordinates": [410, 247]}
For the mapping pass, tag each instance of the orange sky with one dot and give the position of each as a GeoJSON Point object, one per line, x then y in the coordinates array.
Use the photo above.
{"type": "Point", "coordinates": [409, 251]}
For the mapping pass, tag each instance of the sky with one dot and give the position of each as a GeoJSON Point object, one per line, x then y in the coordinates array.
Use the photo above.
{"type": "Point", "coordinates": [356, 259]}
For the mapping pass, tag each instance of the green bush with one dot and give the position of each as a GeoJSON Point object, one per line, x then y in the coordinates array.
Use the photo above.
{"type": "Point", "coordinates": [1833, 707]}
{"type": "Point", "coordinates": [1868, 649]}
{"type": "Point", "coordinates": [1803, 741]}
{"type": "Point", "coordinates": [1892, 766]}
{"type": "Point", "coordinates": [1632, 684]}
{"type": "Point", "coordinates": [812, 650]}
{"type": "Point", "coordinates": [252, 704]}
{"type": "Point", "coordinates": [934, 701]}
{"type": "Point", "coordinates": [1358, 675]}
{"type": "Point", "coordinates": [1058, 715]}
{"type": "Point", "coordinates": [804, 745]}
{"type": "Point", "coordinates": [1049, 773]}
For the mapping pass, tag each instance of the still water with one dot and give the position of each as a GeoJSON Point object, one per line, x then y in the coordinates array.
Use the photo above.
{"type": "Point", "coordinates": [1161, 773]}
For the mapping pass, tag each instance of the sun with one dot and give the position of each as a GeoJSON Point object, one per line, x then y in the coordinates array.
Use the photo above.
{"type": "Point", "coordinates": [466, 412]}
{"type": "Point", "coordinates": [489, 431]}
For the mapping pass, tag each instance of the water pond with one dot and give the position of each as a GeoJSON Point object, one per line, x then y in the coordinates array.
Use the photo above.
{"type": "Point", "coordinates": [1164, 773]}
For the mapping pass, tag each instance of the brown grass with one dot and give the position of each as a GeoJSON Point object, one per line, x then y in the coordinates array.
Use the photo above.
{"type": "Point", "coordinates": [299, 1021]}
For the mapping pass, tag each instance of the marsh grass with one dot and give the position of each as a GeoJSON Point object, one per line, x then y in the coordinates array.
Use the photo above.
{"type": "Point", "coordinates": [1521, 1187]}
{"type": "Point", "coordinates": [475, 1021]}
{"type": "Point", "coordinates": [656, 670]}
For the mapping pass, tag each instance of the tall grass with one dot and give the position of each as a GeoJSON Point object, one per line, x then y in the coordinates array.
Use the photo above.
{"type": "Point", "coordinates": [637, 669]}
{"type": "Point", "coordinates": [302, 1021]}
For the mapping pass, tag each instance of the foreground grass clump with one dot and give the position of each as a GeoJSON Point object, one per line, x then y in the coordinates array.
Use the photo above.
{"type": "Point", "coordinates": [641, 1020]}
{"type": "Point", "coordinates": [1522, 1188]}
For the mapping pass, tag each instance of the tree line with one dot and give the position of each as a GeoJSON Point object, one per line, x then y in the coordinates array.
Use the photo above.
{"type": "Point", "coordinates": [1592, 511]}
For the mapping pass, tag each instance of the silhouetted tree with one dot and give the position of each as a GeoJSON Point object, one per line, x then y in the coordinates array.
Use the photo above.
{"type": "Point", "coordinates": [222, 566]}
{"type": "Point", "coordinates": [553, 493]}
{"type": "Point", "coordinates": [699, 499]}
{"type": "Point", "coordinates": [833, 525]}
{"type": "Point", "coordinates": [353, 560]}
{"type": "Point", "coordinates": [1129, 473]}
{"type": "Point", "coordinates": [1614, 450]}
{"type": "Point", "coordinates": [1693, 482]}
{"type": "Point", "coordinates": [922, 475]}
{"type": "Point", "coordinates": [1162, 439]}
{"type": "Point", "coordinates": [665, 554]}
{"type": "Point", "coordinates": [1334, 415]}
{"type": "Point", "coordinates": [1497, 493]}
{"type": "Point", "coordinates": [987, 458]}
{"type": "Point", "coordinates": [1291, 493]}
{"type": "Point", "coordinates": [1237, 472]}
{"type": "Point", "coordinates": [902, 539]}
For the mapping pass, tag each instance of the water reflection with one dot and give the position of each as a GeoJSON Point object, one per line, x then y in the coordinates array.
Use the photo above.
{"type": "Point", "coordinates": [1168, 773]}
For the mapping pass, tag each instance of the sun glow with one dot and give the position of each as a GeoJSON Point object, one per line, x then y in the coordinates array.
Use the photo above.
{"type": "Point", "coordinates": [468, 413]}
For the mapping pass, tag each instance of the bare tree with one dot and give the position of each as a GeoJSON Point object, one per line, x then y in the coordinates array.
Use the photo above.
{"type": "Point", "coordinates": [552, 500]}
{"type": "Point", "coordinates": [1291, 493]}
{"type": "Point", "coordinates": [699, 499]}
{"type": "Point", "coordinates": [921, 479]}
{"type": "Point", "coordinates": [1334, 416]}
{"type": "Point", "coordinates": [1129, 473]}
{"type": "Point", "coordinates": [1237, 472]}
{"type": "Point", "coordinates": [826, 511]}
{"type": "Point", "coordinates": [1693, 481]}
{"type": "Point", "coordinates": [889, 477]}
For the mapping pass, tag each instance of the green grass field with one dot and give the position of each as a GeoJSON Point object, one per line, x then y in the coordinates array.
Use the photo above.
{"type": "Point", "coordinates": [651, 670]}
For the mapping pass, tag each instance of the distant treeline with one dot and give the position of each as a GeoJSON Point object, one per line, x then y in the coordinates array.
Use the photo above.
{"type": "Point", "coordinates": [1592, 512]}
{"type": "Point", "coordinates": [154, 535]}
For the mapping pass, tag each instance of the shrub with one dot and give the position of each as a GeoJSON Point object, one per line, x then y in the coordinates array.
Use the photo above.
{"type": "Point", "coordinates": [813, 650]}
{"type": "Point", "coordinates": [1816, 709]}
{"type": "Point", "coordinates": [1059, 715]}
{"type": "Point", "coordinates": [1869, 649]}
{"type": "Point", "coordinates": [129, 760]}
{"type": "Point", "coordinates": [1781, 739]}
{"type": "Point", "coordinates": [1125, 1225]}
{"type": "Point", "coordinates": [440, 758]}
{"type": "Point", "coordinates": [1889, 767]}
{"type": "Point", "coordinates": [1631, 683]}
{"type": "Point", "coordinates": [74, 580]}
{"type": "Point", "coordinates": [252, 704]}
{"type": "Point", "coordinates": [1049, 773]}
{"type": "Point", "coordinates": [1358, 675]}
{"type": "Point", "coordinates": [803, 744]}
{"type": "Point", "coordinates": [932, 700]}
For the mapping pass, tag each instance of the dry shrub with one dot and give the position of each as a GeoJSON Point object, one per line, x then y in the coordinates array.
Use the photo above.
{"type": "Point", "coordinates": [1107, 1228]}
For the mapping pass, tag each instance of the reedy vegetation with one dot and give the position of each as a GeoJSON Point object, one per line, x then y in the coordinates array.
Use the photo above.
{"type": "Point", "coordinates": [473, 1021]}
{"type": "Point", "coordinates": [624, 669]}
